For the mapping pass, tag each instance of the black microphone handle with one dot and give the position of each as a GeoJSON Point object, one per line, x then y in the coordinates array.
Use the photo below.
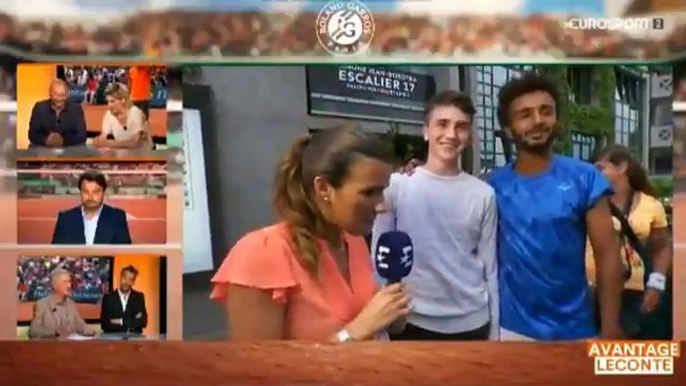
{"type": "Point", "coordinates": [393, 281]}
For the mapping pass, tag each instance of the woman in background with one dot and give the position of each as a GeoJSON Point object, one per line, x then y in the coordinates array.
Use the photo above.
{"type": "Point", "coordinates": [309, 276]}
{"type": "Point", "coordinates": [91, 88]}
{"type": "Point", "coordinates": [637, 200]}
{"type": "Point", "coordinates": [123, 121]}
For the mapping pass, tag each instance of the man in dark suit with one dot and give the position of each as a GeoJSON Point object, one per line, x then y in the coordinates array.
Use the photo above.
{"type": "Point", "coordinates": [92, 222]}
{"type": "Point", "coordinates": [123, 310]}
{"type": "Point", "coordinates": [58, 121]}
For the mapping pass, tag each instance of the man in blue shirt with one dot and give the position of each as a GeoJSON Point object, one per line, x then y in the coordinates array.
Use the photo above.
{"type": "Point", "coordinates": [547, 205]}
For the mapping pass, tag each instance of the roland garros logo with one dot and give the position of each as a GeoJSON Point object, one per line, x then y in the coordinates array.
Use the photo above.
{"type": "Point", "coordinates": [345, 27]}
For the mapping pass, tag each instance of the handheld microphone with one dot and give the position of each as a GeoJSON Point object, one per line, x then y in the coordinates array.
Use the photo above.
{"type": "Point", "coordinates": [394, 256]}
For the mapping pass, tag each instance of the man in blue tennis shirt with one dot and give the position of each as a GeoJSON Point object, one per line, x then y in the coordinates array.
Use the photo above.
{"type": "Point", "coordinates": [547, 205]}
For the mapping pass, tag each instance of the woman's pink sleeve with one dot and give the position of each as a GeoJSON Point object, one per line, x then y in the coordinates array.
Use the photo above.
{"type": "Point", "coordinates": [261, 259]}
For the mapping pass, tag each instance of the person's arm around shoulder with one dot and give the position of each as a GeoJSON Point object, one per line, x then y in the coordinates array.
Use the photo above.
{"type": "Point", "coordinates": [37, 328]}
{"type": "Point", "coordinates": [606, 252]}
{"type": "Point", "coordinates": [37, 134]}
{"type": "Point", "coordinates": [386, 221]}
{"type": "Point", "coordinates": [487, 251]}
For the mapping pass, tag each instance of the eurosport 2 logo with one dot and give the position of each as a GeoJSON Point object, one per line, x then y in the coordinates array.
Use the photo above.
{"type": "Point", "coordinates": [345, 27]}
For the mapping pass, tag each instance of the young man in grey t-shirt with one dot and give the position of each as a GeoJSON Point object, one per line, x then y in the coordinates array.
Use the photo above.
{"type": "Point", "coordinates": [451, 217]}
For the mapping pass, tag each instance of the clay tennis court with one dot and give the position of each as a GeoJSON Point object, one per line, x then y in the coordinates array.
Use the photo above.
{"type": "Point", "coordinates": [36, 218]}
{"type": "Point", "coordinates": [94, 114]}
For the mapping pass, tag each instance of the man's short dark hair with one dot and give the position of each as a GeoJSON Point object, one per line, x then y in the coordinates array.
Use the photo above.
{"type": "Point", "coordinates": [528, 83]}
{"type": "Point", "coordinates": [453, 98]}
{"type": "Point", "coordinates": [93, 176]}
{"type": "Point", "coordinates": [131, 269]}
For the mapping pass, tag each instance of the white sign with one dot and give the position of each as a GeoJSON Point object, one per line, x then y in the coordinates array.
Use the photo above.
{"type": "Point", "coordinates": [197, 240]}
{"type": "Point", "coordinates": [661, 136]}
{"type": "Point", "coordinates": [661, 86]}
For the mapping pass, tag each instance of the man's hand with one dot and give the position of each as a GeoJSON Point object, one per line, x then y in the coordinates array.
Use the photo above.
{"type": "Point", "coordinates": [651, 299]}
{"type": "Point", "coordinates": [611, 332]}
{"type": "Point", "coordinates": [117, 322]}
{"type": "Point", "coordinates": [64, 331]}
{"type": "Point", "coordinates": [139, 315]}
{"type": "Point", "coordinates": [89, 331]}
{"type": "Point", "coordinates": [410, 166]}
{"type": "Point", "coordinates": [54, 140]}
{"type": "Point", "coordinates": [99, 141]}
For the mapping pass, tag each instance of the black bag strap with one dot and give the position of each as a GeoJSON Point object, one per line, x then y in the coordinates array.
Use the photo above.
{"type": "Point", "coordinates": [627, 231]}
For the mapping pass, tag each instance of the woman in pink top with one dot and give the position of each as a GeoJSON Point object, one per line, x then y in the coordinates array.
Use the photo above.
{"type": "Point", "coordinates": [309, 277]}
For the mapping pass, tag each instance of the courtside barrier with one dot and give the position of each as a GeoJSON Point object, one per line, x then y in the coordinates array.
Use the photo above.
{"type": "Point", "coordinates": [287, 363]}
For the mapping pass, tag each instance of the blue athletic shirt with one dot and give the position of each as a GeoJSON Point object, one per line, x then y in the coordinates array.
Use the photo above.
{"type": "Point", "coordinates": [541, 246]}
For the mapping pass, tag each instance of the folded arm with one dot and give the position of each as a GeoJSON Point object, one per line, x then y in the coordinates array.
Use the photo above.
{"type": "Point", "coordinates": [136, 321]}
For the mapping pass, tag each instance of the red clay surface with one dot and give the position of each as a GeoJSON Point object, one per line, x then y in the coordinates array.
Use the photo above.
{"type": "Point", "coordinates": [290, 364]}
{"type": "Point", "coordinates": [158, 119]}
{"type": "Point", "coordinates": [36, 218]}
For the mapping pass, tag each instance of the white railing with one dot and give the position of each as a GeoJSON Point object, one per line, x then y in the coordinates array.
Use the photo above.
{"type": "Point", "coordinates": [8, 106]}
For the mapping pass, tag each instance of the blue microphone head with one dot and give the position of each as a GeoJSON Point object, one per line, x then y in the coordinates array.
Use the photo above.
{"type": "Point", "coordinates": [394, 256]}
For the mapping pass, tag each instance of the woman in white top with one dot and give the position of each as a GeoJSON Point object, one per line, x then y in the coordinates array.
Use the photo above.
{"type": "Point", "coordinates": [124, 121]}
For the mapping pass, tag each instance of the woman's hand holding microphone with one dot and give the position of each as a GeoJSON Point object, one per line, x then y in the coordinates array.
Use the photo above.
{"type": "Point", "coordinates": [391, 303]}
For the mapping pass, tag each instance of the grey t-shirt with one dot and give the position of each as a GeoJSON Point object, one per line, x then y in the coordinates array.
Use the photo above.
{"type": "Point", "coordinates": [452, 221]}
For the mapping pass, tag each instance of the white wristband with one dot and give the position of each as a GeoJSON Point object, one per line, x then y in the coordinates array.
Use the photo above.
{"type": "Point", "coordinates": [343, 336]}
{"type": "Point", "coordinates": [657, 281]}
